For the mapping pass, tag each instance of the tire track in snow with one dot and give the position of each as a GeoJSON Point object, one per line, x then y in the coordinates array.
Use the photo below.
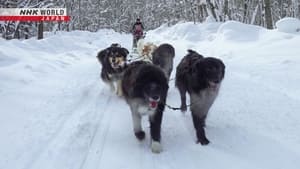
{"type": "Point", "coordinates": [74, 130]}
{"type": "Point", "coordinates": [72, 125]}
{"type": "Point", "coordinates": [95, 149]}
{"type": "Point", "coordinates": [113, 137]}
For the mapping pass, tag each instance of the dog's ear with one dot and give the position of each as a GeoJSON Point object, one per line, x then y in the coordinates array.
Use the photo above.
{"type": "Point", "coordinates": [195, 69]}
{"type": "Point", "coordinates": [195, 73]}
{"type": "Point", "coordinates": [125, 51]}
{"type": "Point", "coordinates": [101, 55]}
{"type": "Point", "coordinates": [198, 76]}
{"type": "Point", "coordinates": [106, 51]}
{"type": "Point", "coordinates": [223, 67]}
{"type": "Point", "coordinates": [109, 49]}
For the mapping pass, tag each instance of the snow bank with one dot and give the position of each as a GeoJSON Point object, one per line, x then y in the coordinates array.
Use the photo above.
{"type": "Point", "coordinates": [288, 25]}
{"type": "Point", "coordinates": [239, 32]}
{"type": "Point", "coordinates": [187, 31]}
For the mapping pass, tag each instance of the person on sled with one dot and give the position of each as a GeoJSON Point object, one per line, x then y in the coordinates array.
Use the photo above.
{"type": "Point", "coordinates": [137, 31]}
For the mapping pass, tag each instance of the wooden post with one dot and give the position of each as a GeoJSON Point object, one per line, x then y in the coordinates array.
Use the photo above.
{"type": "Point", "coordinates": [40, 30]}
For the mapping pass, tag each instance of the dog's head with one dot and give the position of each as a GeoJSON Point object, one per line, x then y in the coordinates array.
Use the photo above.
{"type": "Point", "coordinates": [117, 57]}
{"type": "Point", "coordinates": [150, 84]}
{"type": "Point", "coordinates": [210, 71]}
{"type": "Point", "coordinates": [152, 94]}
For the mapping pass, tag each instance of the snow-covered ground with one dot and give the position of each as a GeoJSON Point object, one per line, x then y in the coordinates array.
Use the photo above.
{"type": "Point", "coordinates": [56, 113]}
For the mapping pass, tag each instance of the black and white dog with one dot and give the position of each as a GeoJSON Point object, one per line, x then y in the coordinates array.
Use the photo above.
{"type": "Point", "coordinates": [145, 90]}
{"type": "Point", "coordinates": [113, 60]}
{"type": "Point", "coordinates": [201, 78]}
{"type": "Point", "coordinates": [163, 57]}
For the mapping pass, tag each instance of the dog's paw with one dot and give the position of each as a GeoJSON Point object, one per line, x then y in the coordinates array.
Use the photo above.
{"type": "Point", "coordinates": [203, 141]}
{"type": "Point", "coordinates": [156, 147]}
{"type": "Point", "coordinates": [140, 135]}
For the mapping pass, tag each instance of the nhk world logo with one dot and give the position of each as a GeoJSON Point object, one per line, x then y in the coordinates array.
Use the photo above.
{"type": "Point", "coordinates": [34, 14]}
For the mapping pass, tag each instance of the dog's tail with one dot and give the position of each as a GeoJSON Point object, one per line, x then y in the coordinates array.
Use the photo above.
{"type": "Point", "coordinates": [190, 51]}
{"type": "Point", "coordinates": [194, 54]}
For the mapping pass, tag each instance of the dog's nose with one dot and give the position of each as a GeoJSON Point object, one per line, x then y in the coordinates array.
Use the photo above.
{"type": "Point", "coordinates": [113, 60]}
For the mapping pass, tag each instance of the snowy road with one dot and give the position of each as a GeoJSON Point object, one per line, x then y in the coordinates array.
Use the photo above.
{"type": "Point", "coordinates": [57, 113]}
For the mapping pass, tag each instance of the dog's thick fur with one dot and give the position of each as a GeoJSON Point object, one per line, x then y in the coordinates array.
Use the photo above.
{"type": "Point", "coordinates": [201, 78]}
{"type": "Point", "coordinates": [145, 49]}
{"type": "Point", "coordinates": [163, 56]}
{"type": "Point", "coordinates": [145, 90]}
{"type": "Point", "coordinates": [113, 60]}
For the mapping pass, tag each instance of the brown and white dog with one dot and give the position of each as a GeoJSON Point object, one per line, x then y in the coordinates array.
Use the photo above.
{"type": "Point", "coordinates": [113, 61]}
{"type": "Point", "coordinates": [145, 49]}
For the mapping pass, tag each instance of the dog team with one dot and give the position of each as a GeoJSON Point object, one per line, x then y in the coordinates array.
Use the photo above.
{"type": "Point", "coordinates": [144, 85]}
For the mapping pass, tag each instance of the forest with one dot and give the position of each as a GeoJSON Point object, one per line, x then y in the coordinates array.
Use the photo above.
{"type": "Point", "coordinates": [119, 15]}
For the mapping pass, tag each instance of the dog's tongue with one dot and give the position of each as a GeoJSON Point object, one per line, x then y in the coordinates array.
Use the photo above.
{"type": "Point", "coordinates": [153, 104]}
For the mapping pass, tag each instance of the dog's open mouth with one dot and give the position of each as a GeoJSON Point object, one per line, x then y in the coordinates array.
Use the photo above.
{"type": "Point", "coordinates": [116, 66]}
{"type": "Point", "coordinates": [153, 103]}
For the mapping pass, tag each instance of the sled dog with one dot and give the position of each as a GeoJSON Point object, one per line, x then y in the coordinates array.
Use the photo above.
{"type": "Point", "coordinates": [163, 57]}
{"type": "Point", "coordinates": [201, 77]}
{"type": "Point", "coordinates": [145, 90]}
{"type": "Point", "coordinates": [113, 61]}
